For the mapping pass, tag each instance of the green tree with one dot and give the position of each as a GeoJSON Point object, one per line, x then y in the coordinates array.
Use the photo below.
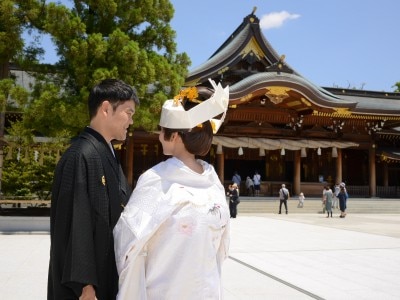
{"type": "Point", "coordinates": [27, 177]}
{"type": "Point", "coordinates": [130, 40]}
{"type": "Point", "coordinates": [15, 17]}
{"type": "Point", "coordinates": [11, 43]}
{"type": "Point", "coordinates": [397, 87]}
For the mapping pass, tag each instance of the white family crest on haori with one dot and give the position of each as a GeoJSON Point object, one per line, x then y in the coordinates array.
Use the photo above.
{"type": "Point", "coordinates": [174, 116]}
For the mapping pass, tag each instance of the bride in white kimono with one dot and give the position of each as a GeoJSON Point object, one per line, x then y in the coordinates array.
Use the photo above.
{"type": "Point", "coordinates": [173, 236]}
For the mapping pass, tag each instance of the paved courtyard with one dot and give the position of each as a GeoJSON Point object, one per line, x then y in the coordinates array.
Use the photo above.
{"type": "Point", "coordinates": [295, 256]}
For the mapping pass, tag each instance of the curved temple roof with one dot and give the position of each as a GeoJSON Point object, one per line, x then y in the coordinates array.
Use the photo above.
{"type": "Point", "coordinates": [247, 48]}
{"type": "Point", "coordinates": [267, 96]}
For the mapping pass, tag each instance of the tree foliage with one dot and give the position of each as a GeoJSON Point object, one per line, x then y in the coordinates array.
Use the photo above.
{"type": "Point", "coordinates": [17, 16]}
{"type": "Point", "coordinates": [10, 34]}
{"type": "Point", "coordinates": [26, 177]}
{"type": "Point", "coordinates": [397, 87]}
{"type": "Point", "coordinates": [95, 39]}
{"type": "Point", "coordinates": [130, 40]}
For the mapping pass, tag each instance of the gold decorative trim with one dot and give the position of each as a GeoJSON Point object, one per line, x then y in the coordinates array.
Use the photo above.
{"type": "Point", "coordinates": [306, 102]}
{"type": "Point", "coordinates": [294, 103]}
{"type": "Point", "coordinates": [223, 70]}
{"type": "Point", "coordinates": [277, 93]}
{"type": "Point", "coordinates": [144, 149]}
{"type": "Point", "coordinates": [345, 113]}
{"type": "Point", "coordinates": [246, 98]}
{"type": "Point", "coordinates": [342, 111]}
{"type": "Point", "coordinates": [117, 146]}
{"type": "Point", "coordinates": [252, 47]}
{"type": "Point", "coordinates": [193, 82]}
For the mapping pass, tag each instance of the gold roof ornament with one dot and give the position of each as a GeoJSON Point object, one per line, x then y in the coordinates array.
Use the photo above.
{"type": "Point", "coordinates": [277, 94]}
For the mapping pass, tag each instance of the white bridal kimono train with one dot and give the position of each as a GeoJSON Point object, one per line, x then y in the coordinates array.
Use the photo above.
{"type": "Point", "coordinates": [173, 235]}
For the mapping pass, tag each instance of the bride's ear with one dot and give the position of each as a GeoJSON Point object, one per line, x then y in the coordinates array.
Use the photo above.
{"type": "Point", "coordinates": [174, 136]}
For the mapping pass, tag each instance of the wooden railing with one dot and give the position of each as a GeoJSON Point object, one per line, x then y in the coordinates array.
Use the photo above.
{"type": "Point", "coordinates": [388, 191]}
{"type": "Point", "coordinates": [358, 191]}
{"type": "Point", "coordinates": [381, 191]}
{"type": "Point", "coordinates": [25, 202]}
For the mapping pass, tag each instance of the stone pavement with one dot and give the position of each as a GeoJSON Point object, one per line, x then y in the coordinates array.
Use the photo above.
{"type": "Point", "coordinates": [256, 205]}
{"type": "Point", "coordinates": [294, 256]}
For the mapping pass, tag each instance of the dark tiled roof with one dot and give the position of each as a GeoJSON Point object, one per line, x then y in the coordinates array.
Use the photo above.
{"type": "Point", "coordinates": [268, 78]}
{"type": "Point", "coordinates": [247, 47]}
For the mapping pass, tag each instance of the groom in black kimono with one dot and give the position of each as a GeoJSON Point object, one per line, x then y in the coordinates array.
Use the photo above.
{"type": "Point", "coordinates": [88, 194]}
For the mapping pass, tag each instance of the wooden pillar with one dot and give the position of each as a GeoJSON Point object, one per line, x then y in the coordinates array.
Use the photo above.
{"type": "Point", "coordinates": [339, 176]}
{"type": "Point", "coordinates": [372, 171]}
{"type": "Point", "coordinates": [268, 186]}
{"type": "Point", "coordinates": [221, 167]}
{"type": "Point", "coordinates": [385, 174]}
{"type": "Point", "coordinates": [297, 173]}
{"type": "Point", "coordinates": [129, 159]}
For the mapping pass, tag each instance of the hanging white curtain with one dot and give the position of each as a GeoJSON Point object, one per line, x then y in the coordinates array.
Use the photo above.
{"type": "Point", "coordinates": [303, 152]}
{"type": "Point", "coordinates": [219, 149]}
{"type": "Point", "coordinates": [334, 152]}
{"type": "Point", "coordinates": [276, 144]}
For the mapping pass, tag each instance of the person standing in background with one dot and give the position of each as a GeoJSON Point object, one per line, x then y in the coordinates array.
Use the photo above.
{"type": "Point", "coordinates": [249, 186]}
{"type": "Point", "coordinates": [323, 201]}
{"type": "Point", "coordinates": [343, 200]}
{"type": "Point", "coordinates": [233, 194]}
{"type": "Point", "coordinates": [257, 183]}
{"type": "Point", "coordinates": [88, 193]}
{"type": "Point", "coordinates": [336, 190]}
{"type": "Point", "coordinates": [328, 200]}
{"type": "Point", "coordinates": [236, 178]}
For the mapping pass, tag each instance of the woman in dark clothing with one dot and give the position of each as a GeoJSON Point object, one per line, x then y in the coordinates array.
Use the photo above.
{"type": "Point", "coordinates": [342, 201]}
{"type": "Point", "coordinates": [233, 193]}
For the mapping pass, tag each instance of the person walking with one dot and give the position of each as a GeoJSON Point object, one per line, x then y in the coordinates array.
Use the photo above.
{"type": "Point", "coordinates": [257, 183]}
{"type": "Point", "coordinates": [301, 200]}
{"type": "Point", "coordinates": [173, 236]}
{"type": "Point", "coordinates": [283, 198]}
{"type": "Point", "coordinates": [328, 200]}
{"type": "Point", "coordinates": [342, 201]}
{"type": "Point", "coordinates": [89, 190]}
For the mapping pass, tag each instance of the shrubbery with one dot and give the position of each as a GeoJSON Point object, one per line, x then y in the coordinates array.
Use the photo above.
{"type": "Point", "coordinates": [28, 178]}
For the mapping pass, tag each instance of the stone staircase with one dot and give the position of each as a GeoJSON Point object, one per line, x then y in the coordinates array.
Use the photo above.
{"type": "Point", "coordinates": [254, 205]}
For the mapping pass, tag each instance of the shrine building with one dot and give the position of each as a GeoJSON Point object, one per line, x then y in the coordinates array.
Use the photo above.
{"type": "Point", "coordinates": [287, 128]}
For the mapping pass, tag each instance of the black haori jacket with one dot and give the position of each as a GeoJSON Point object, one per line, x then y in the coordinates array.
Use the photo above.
{"type": "Point", "coordinates": [88, 192]}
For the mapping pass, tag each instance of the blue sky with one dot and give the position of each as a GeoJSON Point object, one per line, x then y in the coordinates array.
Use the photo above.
{"type": "Point", "coordinates": [332, 43]}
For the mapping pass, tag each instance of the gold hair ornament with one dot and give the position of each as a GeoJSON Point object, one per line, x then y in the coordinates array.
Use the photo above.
{"type": "Point", "coordinates": [189, 93]}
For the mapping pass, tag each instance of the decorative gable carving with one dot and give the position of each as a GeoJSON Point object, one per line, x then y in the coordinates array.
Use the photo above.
{"type": "Point", "coordinates": [276, 94]}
